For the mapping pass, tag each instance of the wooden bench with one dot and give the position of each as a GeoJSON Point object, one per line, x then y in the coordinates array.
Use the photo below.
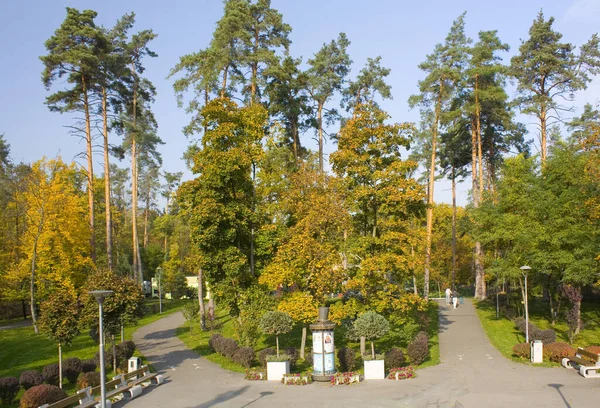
{"type": "Point", "coordinates": [142, 375]}
{"type": "Point", "coordinates": [82, 397]}
{"type": "Point", "coordinates": [586, 362]}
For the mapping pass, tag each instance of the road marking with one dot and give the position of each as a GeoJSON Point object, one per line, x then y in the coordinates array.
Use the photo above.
{"type": "Point", "coordinates": [460, 356]}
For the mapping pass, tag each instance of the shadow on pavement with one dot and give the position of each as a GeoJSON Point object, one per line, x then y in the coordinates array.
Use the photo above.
{"type": "Point", "coordinates": [557, 388]}
{"type": "Point", "coordinates": [262, 394]}
{"type": "Point", "coordinates": [164, 334]}
{"type": "Point", "coordinates": [224, 397]}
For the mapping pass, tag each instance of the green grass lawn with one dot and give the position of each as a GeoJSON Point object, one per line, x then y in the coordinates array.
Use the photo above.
{"type": "Point", "coordinates": [21, 349]}
{"type": "Point", "coordinates": [198, 341]}
{"type": "Point", "coordinates": [503, 333]}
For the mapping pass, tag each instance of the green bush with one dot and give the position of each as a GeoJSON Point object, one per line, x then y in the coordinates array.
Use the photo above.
{"type": "Point", "coordinates": [30, 378]}
{"type": "Point", "coordinates": [42, 394]}
{"type": "Point", "coordinates": [89, 379]}
{"type": "Point", "coordinates": [275, 323]}
{"type": "Point", "coordinates": [294, 354]}
{"type": "Point", "coordinates": [244, 356]}
{"type": "Point", "coordinates": [88, 365]}
{"type": "Point", "coordinates": [371, 326]}
{"type": "Point", "coordinates": [71, 369]}
{"type": "Point", "coordinates": [346, 359]}
{"type": "Point", "coordinates": [214, 342]}
{"type": "Point", "coordinates": [51, 374]}
{"type": "Point", "coordinates": [126, 349]}
{"type": "Point", "coordinates": [9, 388]}
{"type": "Point", "coordinates": [228, 347]}
{"type": "Point", "coordinates": [394, 358]}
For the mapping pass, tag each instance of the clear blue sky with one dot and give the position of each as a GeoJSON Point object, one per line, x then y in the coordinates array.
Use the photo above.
{"type": "Point", "coordinates": [402, 32]}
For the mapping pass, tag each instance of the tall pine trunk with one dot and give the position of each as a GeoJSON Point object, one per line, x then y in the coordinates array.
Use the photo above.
{"type": "Point", "coordinates": [109, 254]}
{"type": "Point", "coordinates": [453, 227]}
{"type": "Point", "coordinates": [320, 125]}
{"type": "Point", "coordinates": [90, 168]}
{"type": "Point", "coordinates": [430, 202]}
{"type": "Point", "coordinates": [477, 192]}
{"type": "Point", "coordinates": [137, 264]}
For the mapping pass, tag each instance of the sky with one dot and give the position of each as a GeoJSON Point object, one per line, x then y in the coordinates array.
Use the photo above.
{"type": "Point", "coordinates": [401, 32]}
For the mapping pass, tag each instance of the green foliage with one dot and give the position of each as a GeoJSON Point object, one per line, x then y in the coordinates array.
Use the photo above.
{"type": "Point", "coordinates": [371, 325]}
{"type": "Point", "coordinates": [190, 312]}
{"type": "Point", "coordinates": [30, 378]}
{"type": "Point", "coordinates": [59, 318]}
{"type": "Point", "coordinates": [9, 388]}
{"type": "Point", "coordinates": [71, 368]}
{"type": "Point", "coordinates": [275, 323]}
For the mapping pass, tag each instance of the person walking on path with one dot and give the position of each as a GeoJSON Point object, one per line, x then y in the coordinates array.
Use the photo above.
{"type": "Point", "coordinates": [448, 293]}
{"type": "Point", "coordinates": [455, 298]}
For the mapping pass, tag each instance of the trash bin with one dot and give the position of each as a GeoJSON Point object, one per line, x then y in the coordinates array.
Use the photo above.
{"type": "Point", "coordinates": [537, 351]}
{"type": "Point", "coordinates": [135, 363]}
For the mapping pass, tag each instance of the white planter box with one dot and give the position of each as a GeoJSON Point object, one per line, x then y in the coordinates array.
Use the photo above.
{"type": "Point", "coordinates": [276, 370]}
{"type": "Point", "coordinates": [374, 370]}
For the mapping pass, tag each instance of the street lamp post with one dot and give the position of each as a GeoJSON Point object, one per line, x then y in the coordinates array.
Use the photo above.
{"type": "Point", "coordinates": [100, 295]}
{"type": "Point", "coordinates": [158, 275]}
{"type": "Point", "coordinates": [525, 270]}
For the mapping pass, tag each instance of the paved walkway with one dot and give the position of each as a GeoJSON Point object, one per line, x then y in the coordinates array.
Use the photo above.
{"type": "Point", "coordinates": [472, 374]}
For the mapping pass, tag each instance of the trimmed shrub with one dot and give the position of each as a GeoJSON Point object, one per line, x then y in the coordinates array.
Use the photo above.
{"type": "Point", "coordinates": [30, 378]}
{"type": "Point", "coordinates": [51, 375]}
{"type": "Point", "coordinates": [71, 369]}
{"type": "Point", "coordinates": [89, 379]}
{"type": "Point", "coordinates": [125, 350]}
{"type": "Point", "coordinates": [535, 333]}
{"type": "Point", "coordinates": [42, 394]}
{"type": "Point", "coordinates": [346, 359]}
{"type": "Point", "coordinates": [546, 336]}
{"type": "Point", "coordinates": [593, 349]}
{"type": "Point", "coordinates": [9, 388]}
{"type": "Point", "coordinates": [522, 350]}
{"type": "Point", "coordinates": [371, 326]}
{"type": "Point", "coordinates": [244, 356]}
{"type": "Point", "coordinates": [418, 350]}
{"type": "Point", "coordinates": [88, 366]}
{"type": "Point", "coordinates": [308, 358]}
{"type": "Point", "coordinates": [262, 355]}
{"type": "Point", "coordinates": [229, 347]}
{"type": "Point", "coordinates": [394, 358]}
{"type": "Point", "coordinates": [557, 351]}
{"type": "Point", "coordinates": [214, 342]}
{"type": "Point", "coordinates": [294, 354]}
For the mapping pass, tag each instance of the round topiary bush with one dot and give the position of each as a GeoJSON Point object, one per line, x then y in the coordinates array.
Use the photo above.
{"type": "Point", "coordinates": [262, 355]}
{"type": "Point", "coordinates": [9, 388]}
{"type": "Point", "coordinates": [71, 369]}
{"type": "Point", "coordinates": [418, 350]}
{"type": "Point", "coordinates": [593, 349]}
{"type": "Point", "coordinates": [126, 349]}
{"type": "Point", "coordinates": [522, 350]}
{"type": "Point", "coordinates": [89, 379]}
{"type": "Point", "coordinates": [88, 366]}
{"type": "Point", "coordinates": [394, 358]}
{"type": "Point", "coordinates": [557, 351]}
{"type": "Point", "coordinates": [40, 395]}
{"type": "Point", "coordinates": [244, 356]}
{"type": "Point", "coordinates": [346, 359]}
{"type": "Point", "coordinates": [229, 347]}
{"type": "Point", "coordinates": [275, 323]}
{"type": "Point", "coordinates": [214, 342]}
{"type": "Point", "coordinates": [371, 326]}
{"type": "Point", "coordinates": [30, 378]}
{"type": "Point", "coordinates": [51, 374]}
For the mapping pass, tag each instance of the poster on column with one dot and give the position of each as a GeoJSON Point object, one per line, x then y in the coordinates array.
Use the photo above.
{"type": "Point", "coordinates": [329, 363]}
{"type": "Point", "coordinates": [317, 342]}
{"type": "Point", "coordinates": [318, 363]}
{"type": "Point", "coordinates": [328, 336]}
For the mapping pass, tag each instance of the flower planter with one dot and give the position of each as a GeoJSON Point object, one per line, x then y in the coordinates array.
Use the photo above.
{"type": "Point", "coordinates": [374, 370]}
{"type": "Point", "coordinates": [296, 379]}
{"type": "Point", "coordinates": [401, 373]}
{"type": "Point", "coordinates": [255, 375]}
{"type": "Point", "coordinates": [345, 379]}
{"type": "Point", "coordinates": [276, 370]}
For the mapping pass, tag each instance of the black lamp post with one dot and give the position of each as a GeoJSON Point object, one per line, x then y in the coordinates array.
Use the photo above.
{"type": "Point", "coordinates": [100, 295]}
{"type": "Point", "coordinates": [158, 276]}
{"type": "Point", "coordinates": [525, 270]}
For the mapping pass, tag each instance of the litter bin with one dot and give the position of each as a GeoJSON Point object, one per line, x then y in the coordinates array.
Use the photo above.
{"type": "Point", "coordinates": [135, 363]}
{"type": "Point", "coordinates": [537, 351]}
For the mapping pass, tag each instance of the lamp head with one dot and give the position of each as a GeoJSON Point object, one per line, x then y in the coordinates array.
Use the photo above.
{"type": "Point", "coordinates": [525, 268]}
{"type": "Point", "coordinates": [100, 295]}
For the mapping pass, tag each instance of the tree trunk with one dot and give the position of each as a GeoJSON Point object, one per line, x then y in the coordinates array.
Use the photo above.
{"type": "Point", "coordinates": [114, 351]}
{"type": "Point", "coordinates": [578, 310]}
{"type": "Point", "coordinates": [320, 125]}
{"type": "Point", "coordinates": [32, 282]}
{"type": "Point", "coordinates": [277, 341]}
{"type": "Point", "coordinates": [478, 131]}
{"type": "Point", "coordinates": [415, 290]}
{"type": "Point", "coordinates": [476, 193]}
{"type": "Point", "coordinates": [430, 202]}
{"type": "Point", "coordinates": [137, 264]}
{"type": "Point", "coordinates": [60, 366]}
{"type": "Point", "coordinates": [363, 345]}
{"type": "Point", "coordinates": [109, 254]}
{"type": "Point", "coordinates": [90, 169]}
{"type": "Point", "coordinates": [146, 217]}
{"type": "Point", "coordinates": [303, 343]}
{"type": "Point", "coordinates": [453, 227]}
{"type": "Point", "coordinates": [224, 84]}
{"type": "Point", "coordinates": [543, 131]}
{"type": "Point", "coordinates": [373, 350]}
{"type": "Point", "coordinates": [201, 310]}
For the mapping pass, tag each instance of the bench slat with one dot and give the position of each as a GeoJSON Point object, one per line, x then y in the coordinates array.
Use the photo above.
{"type": "Point", "coordinates": [588, 355]}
